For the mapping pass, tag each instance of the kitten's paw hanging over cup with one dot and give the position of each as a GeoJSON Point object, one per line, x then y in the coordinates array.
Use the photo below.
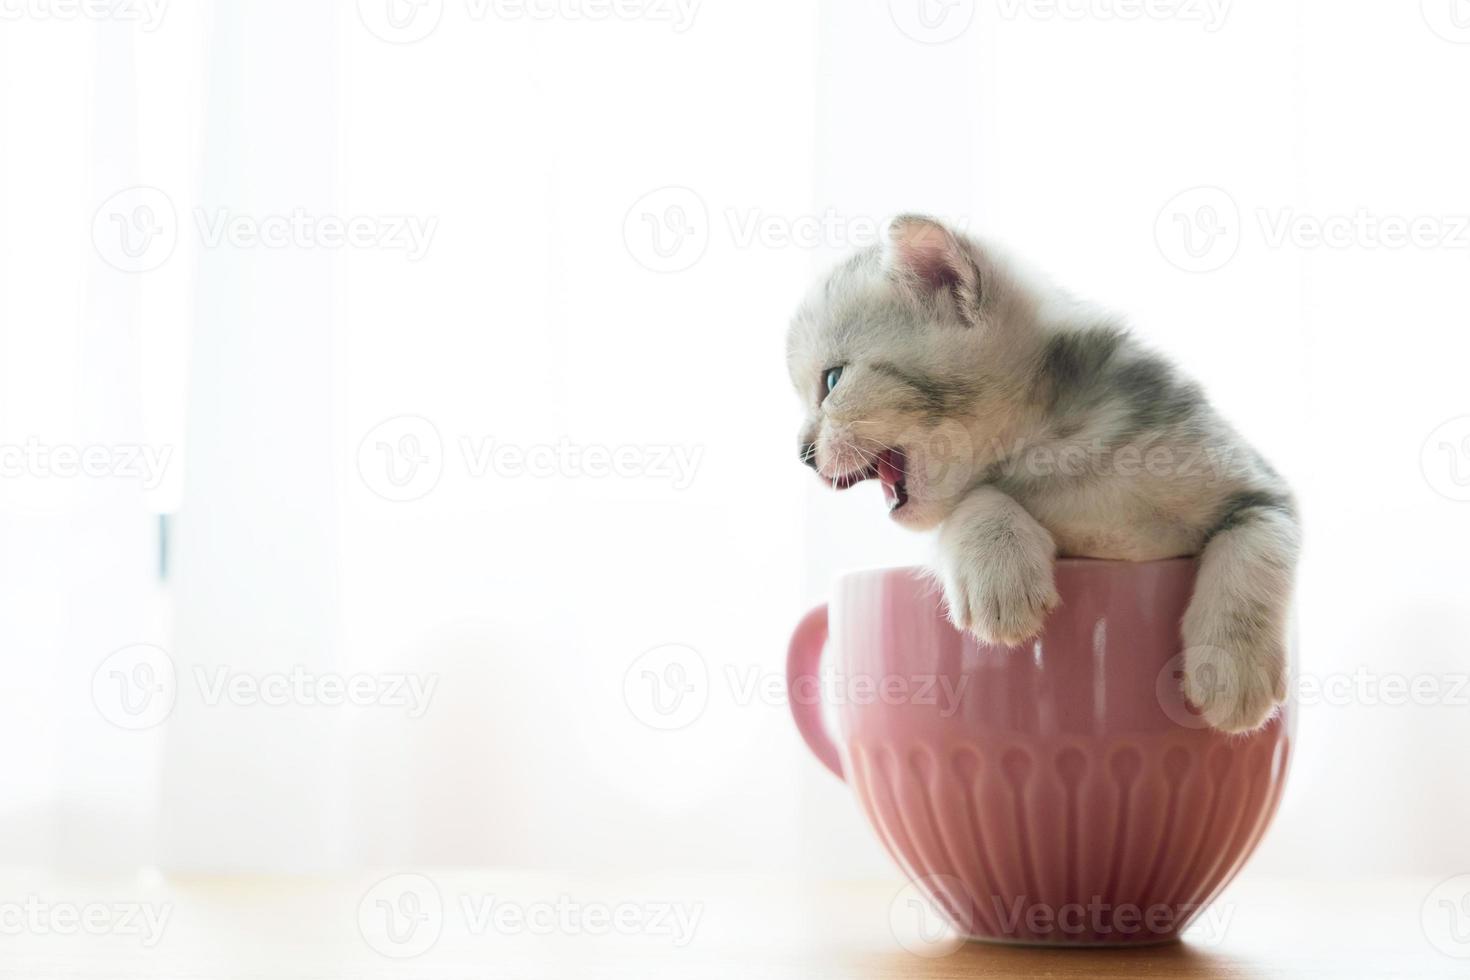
{"type": "Point", "coordinates": [1235, 690]}
{"type": "Point", "coordinates": [1002, 602]}
{"type": "Point", "coordinates": [997, 567]}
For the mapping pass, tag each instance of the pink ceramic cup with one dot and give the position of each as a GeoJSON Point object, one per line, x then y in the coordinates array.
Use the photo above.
{"type": "Point", "coordinates": [1060, 792]}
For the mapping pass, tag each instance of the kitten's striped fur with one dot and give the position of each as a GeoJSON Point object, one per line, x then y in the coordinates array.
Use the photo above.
{"type": "Point", "coordinates": [1033, 426]}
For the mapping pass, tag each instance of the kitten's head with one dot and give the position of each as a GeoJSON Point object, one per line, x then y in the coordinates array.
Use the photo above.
{"type": "Point", "coordinates": [899, 359]}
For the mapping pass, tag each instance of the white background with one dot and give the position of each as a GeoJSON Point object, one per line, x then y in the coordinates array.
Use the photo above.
{"type": "Point", "coordinates": [621, 213]}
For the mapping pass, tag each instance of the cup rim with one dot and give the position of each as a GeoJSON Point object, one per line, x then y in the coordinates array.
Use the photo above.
{"type": "Point", "coordinates": [924, 571]}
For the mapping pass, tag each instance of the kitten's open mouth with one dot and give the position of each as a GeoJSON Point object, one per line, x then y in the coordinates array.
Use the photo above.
{"type": "Point", "coordinates": [887, 468]}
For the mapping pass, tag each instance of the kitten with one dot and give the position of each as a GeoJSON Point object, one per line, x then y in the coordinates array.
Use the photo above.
{"type": "Point", "coordinates": [1025, 426]}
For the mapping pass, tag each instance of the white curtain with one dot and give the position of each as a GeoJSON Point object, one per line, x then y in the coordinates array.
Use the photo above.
{"type": "Point", "coordinates": [91, 389]}
{"type": "Point", "coordinates": [576, 241]}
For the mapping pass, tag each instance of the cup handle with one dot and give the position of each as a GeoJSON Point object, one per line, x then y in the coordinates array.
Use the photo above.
{"type": "Point", "coordinates": [802, 683]}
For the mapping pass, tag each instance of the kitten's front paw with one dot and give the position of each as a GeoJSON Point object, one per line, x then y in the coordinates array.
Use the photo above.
{"type": "Point", "coordinates": [1236, 688]}
{"type": "Point", "coordinates": [1001, 599]}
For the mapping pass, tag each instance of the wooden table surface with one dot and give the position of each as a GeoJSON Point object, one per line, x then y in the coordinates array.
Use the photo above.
{"type": "Point", "coordinates": [442, 924]}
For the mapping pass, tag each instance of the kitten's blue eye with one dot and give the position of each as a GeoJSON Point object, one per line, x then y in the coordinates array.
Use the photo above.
{"type": "Point", "coordinates": [833, 376]}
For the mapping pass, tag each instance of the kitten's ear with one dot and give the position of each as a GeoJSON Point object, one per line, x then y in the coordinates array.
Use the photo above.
{"type": "Point", "coordinates": [927, 258]}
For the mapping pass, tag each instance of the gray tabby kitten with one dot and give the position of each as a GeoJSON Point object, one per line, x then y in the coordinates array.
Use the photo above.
{"type": "Point", "coordinates": [1025, 425]}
